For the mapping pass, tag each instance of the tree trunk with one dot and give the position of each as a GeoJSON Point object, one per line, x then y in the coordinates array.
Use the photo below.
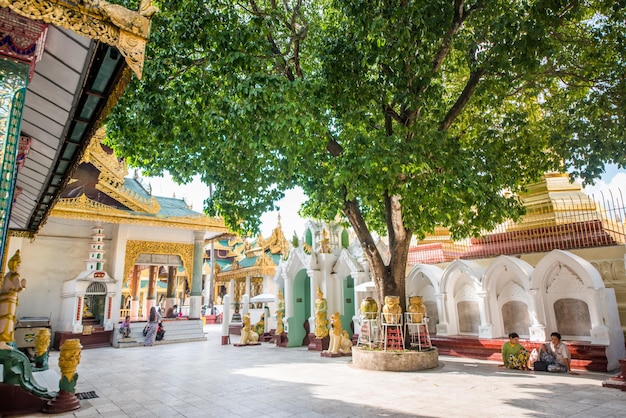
{"type": "Point", "coordinates": [389, 279]}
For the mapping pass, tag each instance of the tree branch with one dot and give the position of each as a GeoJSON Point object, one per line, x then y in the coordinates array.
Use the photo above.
{"type": "Point", "coordinates": [461, 102]}
{"type": "Point", "coordinates": [459, 16]}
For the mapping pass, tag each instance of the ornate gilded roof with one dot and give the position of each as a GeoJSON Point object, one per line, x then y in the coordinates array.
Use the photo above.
{"type": "Point", "coordinates": [98, 191]}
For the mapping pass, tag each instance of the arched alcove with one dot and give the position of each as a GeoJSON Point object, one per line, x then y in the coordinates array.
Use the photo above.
{"type": "Point", "coordinates": [508, 303]}
{"type": "Point", "coordinates": [423, 280]}
{"type": "Point", "coordinates": [460, 299]}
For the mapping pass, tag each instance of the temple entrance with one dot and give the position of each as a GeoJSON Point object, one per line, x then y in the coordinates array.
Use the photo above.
{"type": "Point", "coordinates": [348, 305]}
{"type": "Point", "coordinates": [301, 302]}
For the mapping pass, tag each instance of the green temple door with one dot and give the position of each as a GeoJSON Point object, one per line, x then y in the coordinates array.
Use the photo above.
{"type": "Point", "coordinates": [348, 304]}
{"type": "Point", "coordinates": [301, 301]}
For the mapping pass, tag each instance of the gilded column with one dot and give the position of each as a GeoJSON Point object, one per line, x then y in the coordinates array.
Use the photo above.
{"type": "Point", "coordinates": [134, 291]}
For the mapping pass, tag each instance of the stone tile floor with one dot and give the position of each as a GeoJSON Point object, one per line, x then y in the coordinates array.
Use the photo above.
{"type": "Point", "coordinates": [208, 379]}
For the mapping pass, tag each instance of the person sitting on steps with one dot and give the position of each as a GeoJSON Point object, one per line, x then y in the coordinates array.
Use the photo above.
{"type": "Point", "coordinates": [514, 355]}
{"type": "Point", "coordinates": [556, 354]}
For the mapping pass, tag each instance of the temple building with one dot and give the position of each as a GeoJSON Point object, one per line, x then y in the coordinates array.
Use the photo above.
{"type": "Point", "coordinates": [154, 248]}
{"type": "Point", "coordinates": [244, 270]}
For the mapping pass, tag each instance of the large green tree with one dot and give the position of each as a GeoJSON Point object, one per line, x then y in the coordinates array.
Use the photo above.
{"type": "Point", "coordinates": [400, 115]}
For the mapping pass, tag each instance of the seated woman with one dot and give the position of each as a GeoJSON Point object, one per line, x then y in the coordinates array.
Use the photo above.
{"type": "Point", "coordinates": [556, 354]}
{"type": "Point", "coordinates": [514, 355]}
{"type": "Point", "coordinates": [125, 327]}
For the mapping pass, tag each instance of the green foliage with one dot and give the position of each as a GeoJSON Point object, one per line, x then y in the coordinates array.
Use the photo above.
{"type": "Point", "coordinates": [359, 101]}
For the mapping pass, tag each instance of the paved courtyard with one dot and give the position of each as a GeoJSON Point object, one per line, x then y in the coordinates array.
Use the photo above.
{"type": "Point", "coordinates": [207, 379]}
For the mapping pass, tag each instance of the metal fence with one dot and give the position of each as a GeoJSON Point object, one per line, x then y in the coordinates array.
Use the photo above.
{"type": "Point", "coordinates": [567, 223]}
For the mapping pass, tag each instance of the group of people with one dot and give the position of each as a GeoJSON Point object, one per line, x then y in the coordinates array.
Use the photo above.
{"type": "Point", "coordinates": [555, 355]}
{"type": "Point", "coordinates": [153, 330]}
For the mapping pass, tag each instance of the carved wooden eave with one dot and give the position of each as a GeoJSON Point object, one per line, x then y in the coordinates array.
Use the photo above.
{"type": "Point", "coordinates": [96, 156]}
{"type": "Point", "coordinates": [111, 178]}
{"type": "Point", "coordinates": [84, 208]}
{"type": "Point", "coordinates": [126, 30]}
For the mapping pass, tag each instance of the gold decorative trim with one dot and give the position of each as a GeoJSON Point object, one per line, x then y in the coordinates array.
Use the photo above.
{"type": "Point", "coordinates": [112, 24]}
{"type": "Point", "coordinates": [111, 178]}
{"type": "Point", "coordinates": [98, 157]}
{"type": "Point", "coordinates": [128, 198]}
{"type": "Point", "coordinates": [261, 269]}
{"type": "Point", "coordinates": [135, 248]}
{"type": "Point", "coordinates": [22, 234]}
{"type": "Point", "coordinates": [84, 208]}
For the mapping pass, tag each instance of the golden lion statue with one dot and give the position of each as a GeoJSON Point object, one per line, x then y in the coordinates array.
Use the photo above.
{"type": "Point", "coordinates": [339, 338]}
{"type": "Point", "coordinates": [248, 336]}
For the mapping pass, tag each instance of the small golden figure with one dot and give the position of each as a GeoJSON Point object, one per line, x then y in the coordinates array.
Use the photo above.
{"type": "Point", "coordinates": [10, 286]}
{"type": "Point", "coordinates": [392, 312]}
{"type": "Point", "coordinates": [280, 313]}
{"type": "Point", "coordinates": [321, 319]}
{"type": "Point", "coordinates": [417, 309]}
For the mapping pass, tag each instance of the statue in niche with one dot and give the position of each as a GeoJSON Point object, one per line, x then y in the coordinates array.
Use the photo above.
{"type": "Point", "coordinates": [321, 318]}
{"type": "Point", "coordinates": [9, 288]}
{"type": "Point", "coordinates": [280, 313]}
{"type": "Point", "coordinates": [392, 312]}
{"type": "Point", "coordinates": [87, 314]}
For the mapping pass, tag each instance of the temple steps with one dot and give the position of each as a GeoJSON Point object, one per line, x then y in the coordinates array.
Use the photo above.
{"type": "Point", "coordinates": [176, 331]}
{"type": "Point", "coordinates": [585, 356]}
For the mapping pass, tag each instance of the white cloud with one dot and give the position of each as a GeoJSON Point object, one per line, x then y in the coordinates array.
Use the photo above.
{"type": "Point", "coordinates": [603, 191]}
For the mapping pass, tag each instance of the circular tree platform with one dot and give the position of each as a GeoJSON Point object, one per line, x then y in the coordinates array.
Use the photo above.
{"type": "Point", "coordinates": [394, 361]}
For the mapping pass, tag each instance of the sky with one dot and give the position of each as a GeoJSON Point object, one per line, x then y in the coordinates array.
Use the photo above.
{"type": "Point", "coordinates": [194, 193]}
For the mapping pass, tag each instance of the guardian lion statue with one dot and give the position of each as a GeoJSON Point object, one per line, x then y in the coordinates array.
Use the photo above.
{"type": "Point", "coordinates": [248, 336]}
{"type": "Point", "coordinates": [339, 338]}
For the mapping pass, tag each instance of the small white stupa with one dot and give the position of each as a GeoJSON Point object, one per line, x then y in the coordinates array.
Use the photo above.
{"type": "Point", "coordinates": [88, 298]}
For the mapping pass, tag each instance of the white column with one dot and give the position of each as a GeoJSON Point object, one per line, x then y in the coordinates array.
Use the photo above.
{"type": "Point", "coordinates": [442, 326]}
{"type": "Point", "coordinates": [486, 327]}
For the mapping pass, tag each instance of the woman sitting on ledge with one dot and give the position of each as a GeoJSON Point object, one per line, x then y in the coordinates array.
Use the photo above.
{"type": "Point", "coordinates": [514, 355]}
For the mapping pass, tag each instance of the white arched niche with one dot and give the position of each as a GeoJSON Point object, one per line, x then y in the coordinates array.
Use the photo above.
{"type": "Point", "coordinates": [423, 280]}
{"type": "Point", "coordinates": [462, 300]}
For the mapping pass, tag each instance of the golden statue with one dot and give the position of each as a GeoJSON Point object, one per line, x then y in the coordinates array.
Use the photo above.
{"type": "Point", "coordinates": [87, 314]}
{"type": "Point", "coordinates": [248, 336]}
{"type": "Point", "coordinates": [325, 243]}
{"type": "Point", "coordinates": [321, 320]}
{"type": "Point", "coordinates": [280, 313]}
{"type": "Point", "coordinates": [417, 309]}
{"type": "Point", "coordinates": [10, 286]}
{"type": "Point", "coordinates": [392, 312]}
{"type": "Point", "coordinates": [340, 342]}
{"type": "Point", "coordinates": [259, 328]}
